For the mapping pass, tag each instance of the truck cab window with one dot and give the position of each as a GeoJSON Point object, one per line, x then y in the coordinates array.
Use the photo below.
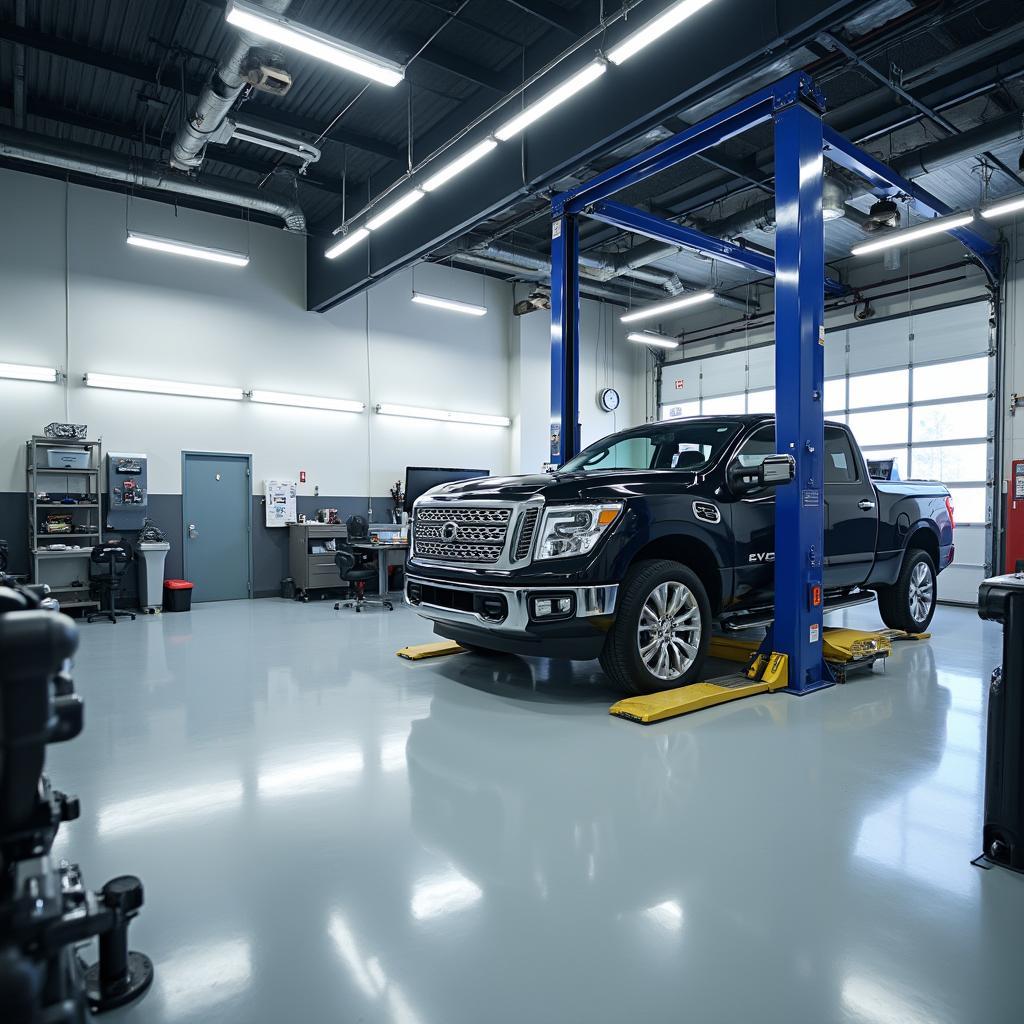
{"type": "Point", "coordinates": [840, 464]}
{"type": "Point", "coordinates": [685, 445]}
{"type": "Point", "coordinates": [760, 444]}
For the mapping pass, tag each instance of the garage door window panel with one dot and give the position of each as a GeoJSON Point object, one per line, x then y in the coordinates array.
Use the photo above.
{"type": "Point", "coordinates": [884, 427]}
{"type": "Point", "coordinates": [875, 389]}
{"type": "Point", "coordinates": [951, 421]}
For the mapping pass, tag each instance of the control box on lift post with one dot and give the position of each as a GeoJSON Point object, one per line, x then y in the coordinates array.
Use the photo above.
{"type": "Point", "coordinates": [1015, 519]}
{"type": "Point", "coordinates": [1001, 599]}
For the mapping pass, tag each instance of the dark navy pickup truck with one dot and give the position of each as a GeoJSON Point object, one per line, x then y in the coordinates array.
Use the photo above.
{"type": "Point", "coordinates": [632, 550]}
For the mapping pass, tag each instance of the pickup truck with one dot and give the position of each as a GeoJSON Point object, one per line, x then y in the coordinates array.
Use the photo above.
{"type": "Point", "coordinates": [632, 551]}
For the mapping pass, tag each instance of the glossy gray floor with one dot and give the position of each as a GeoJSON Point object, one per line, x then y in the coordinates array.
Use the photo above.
{"type": "Point", "coordinates": [328, 833]}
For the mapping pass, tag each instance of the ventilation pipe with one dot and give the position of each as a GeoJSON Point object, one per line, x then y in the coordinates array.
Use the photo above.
{"type": "Point", "coordinates": [218, 97]}
{"type": "Point", "coordinates": [89, 160]}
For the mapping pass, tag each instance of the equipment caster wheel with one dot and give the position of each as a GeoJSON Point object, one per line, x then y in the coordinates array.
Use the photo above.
{"type": "Point", "coordinates": [137, 982]}
{"type": "Point", "coordinates": [390, 607]}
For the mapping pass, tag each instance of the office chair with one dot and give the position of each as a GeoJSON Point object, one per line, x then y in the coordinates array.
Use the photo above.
{"type": "Point", "coordinates": [116, 555]}
{"type": "Point", "coordinates": [355, 566]}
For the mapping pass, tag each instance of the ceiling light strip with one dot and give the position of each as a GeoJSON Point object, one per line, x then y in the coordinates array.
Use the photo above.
{"type": "Point", "coordinates": [397, 207]}
{"type": "Point", "coordinates": [444, 415]}
{"type": "Point", "coordinates": [1003, 208]}
{"type": "Point", "coordinates": [346, 242]}
{"type": "Point", "coordinates": [452, 305]}
{"type": "Point", "coordinates": [196, 252]}
{"type": "Point", "coordinates": [657, 340]}
{"type": "Point", "coordinates": [306, 401]}
{"type": "Point", "coordinates": [21, 371]}
{"type": "Point", "coordinates": [557, 96]}
{"type": "Point", "coordinates": [936, 226]}
{"type": "Point", "coordinates": [279, 29]}
{"type": "Point", "coordinates": [671, 306]}
{"type": "Point", "coordinates": [459, 164]}
{"type": "Point", "coordinates": [655, 29]}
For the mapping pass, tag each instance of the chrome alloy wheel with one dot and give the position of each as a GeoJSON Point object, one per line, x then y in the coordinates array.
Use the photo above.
{"type": "Point", "coordinates": [922, 592]}
{"type": "Point", "coordinates": [668, 634]}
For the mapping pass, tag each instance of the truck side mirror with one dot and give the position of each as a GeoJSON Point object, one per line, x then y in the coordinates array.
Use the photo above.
{"type": "Point", "coordinates": [772, 471]}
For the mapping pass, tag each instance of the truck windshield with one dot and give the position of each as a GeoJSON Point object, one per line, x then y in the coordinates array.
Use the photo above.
{"type": "Point", "coordinates": [689, 445]}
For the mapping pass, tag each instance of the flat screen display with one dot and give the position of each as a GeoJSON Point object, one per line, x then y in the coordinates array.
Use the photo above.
{"type": "Point", "coordinates": [419, 480]}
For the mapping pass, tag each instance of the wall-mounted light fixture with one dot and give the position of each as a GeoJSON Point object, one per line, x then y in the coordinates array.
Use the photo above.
{"type": "Point", "coordinates": [452, 305]}
{"type": "Point", "coordinates": [415, 412]}
{"type": "Point", "coordinates": [162, 387]}
{"type": "Point", "coordinates": [306, 401]}
{"type": "Point", "coordinates": [19, 371]}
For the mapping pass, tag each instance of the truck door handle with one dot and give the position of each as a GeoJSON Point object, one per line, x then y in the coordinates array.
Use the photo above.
{"type": "Point", "coordinates": [865, 505]}
{"type": "Point", "coordinates": [192, 531]}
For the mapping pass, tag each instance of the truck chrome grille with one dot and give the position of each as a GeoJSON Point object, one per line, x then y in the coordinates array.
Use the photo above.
{"type": "Point", "coordinates": [460, 533]}
{"type": "Point", "coordinates": [527, 528]}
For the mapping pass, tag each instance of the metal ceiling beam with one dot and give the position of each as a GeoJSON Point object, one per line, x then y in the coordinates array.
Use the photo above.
{"type": "Point", "coordinates": [407, 43]}
{"type": "Point", "coordinates": [569, 22]}
{"type": "Point", "coordinates": [620, 106]}
{"type": "Point", "coordinates": [169, 78]}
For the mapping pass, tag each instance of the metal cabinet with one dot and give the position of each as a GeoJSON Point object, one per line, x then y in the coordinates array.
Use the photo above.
{"type": "Point", "coordinates": [311, 555]}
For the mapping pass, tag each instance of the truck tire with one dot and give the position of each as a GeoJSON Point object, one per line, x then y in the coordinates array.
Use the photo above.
{"type": "Point", "coordinates": [909, 603]}
{"type": "Point", "coordinates": [662, 629]}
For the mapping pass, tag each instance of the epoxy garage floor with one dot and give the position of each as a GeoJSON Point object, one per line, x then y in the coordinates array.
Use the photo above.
{"type": "Point", "coordinates": [328, 833]}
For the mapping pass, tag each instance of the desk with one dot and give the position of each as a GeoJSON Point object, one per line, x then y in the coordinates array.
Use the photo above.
{"type": "Point", "coordinates": [384, 559]}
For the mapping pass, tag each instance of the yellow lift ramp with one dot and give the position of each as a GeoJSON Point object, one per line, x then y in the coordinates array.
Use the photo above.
{"type": "Point", "coordinates": [844, 650]}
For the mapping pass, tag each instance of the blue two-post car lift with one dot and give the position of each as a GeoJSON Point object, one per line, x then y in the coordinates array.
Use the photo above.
{"type": "Point", "coordinates": [795, 108]}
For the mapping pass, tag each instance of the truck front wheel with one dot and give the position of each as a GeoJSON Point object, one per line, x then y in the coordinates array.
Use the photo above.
{"type": "Point", "coordinates": [662, 628]}
{"type": "Point", "coordinates": [909, 603]}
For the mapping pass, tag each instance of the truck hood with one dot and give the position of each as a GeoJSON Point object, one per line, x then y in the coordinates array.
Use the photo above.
{"type": "Point", "coordinates": [556, 487]}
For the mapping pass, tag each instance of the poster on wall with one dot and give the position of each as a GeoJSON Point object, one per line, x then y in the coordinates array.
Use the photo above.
{"type": "Point", "coordinates": [280, 502]}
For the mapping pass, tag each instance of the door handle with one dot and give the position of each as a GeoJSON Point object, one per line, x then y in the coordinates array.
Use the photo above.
{"type": "Point", "coordinates": [193, 533]}
{"type": "Point", "coordinates": [865, 505]}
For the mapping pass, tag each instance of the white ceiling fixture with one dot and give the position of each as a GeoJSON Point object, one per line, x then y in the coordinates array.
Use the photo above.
{"type": "Point", "coordinates": [680, 302]}
{"type": "Point", "coordinates": [279, 29]}
{"type": "Point", "coordinates": [936, 226]}
{"type": "Point", "coordinates": [445, 415]}
{"type": "Point", "coordinates": [459, 164]}
{"type": "Point", "coordinates": [306, 401]}
{"type": "Point", "coordinates": [655, 29]}
{"type": "Point", "coordinates": [453, 305]}
{"type": "Point", "coordinates": [346, 242]}
{"type": "Point", "coordinates": [397, 207]}
{"type": "Point", "coordinates": [650, 338]}
{"type": "Point", "coordinates": [1002, 209]}
{"type": "Point", "coordinates": [196, 252]}
{"type": "Point", "coordinates": [18, 371]}
{"type": "Point", "coordinates": [162, 387]}
{"type": "Point", "coordinates": [591, 73]}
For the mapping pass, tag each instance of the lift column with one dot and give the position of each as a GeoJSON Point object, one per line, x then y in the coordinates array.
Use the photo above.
{"type": "Point", "coordinates": [565, 338]}
{"type": "Point", "coordinates": [799, 388]}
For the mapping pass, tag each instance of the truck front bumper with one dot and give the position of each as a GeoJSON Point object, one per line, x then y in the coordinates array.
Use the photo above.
{"type": "Point", "coordinates": [552, 622]}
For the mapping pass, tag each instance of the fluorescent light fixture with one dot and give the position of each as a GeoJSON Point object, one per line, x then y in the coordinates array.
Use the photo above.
{"type": "Point", "coordinates": [197, 252]}
{"type": "Point", "coordinates": [459, 164]}
{"type": "Point", "coordinates": [162, 387]}
{"type": "Point", "coordinates": [1002, 209]}
{"type": "Point", "coordinates": [16, 371]}
{"type": "Point", "coordinates": [306, 401]}
{"type": "Point", "coordinates": [655, 29]}
{"type": "Point", "coordinates": [397, 207]}
{"type": "Point", "coordinates": [649, 338]}
{"type": "Point", "coordinates": [346, 242]}
{"type": "Point", "coordinates": [279, 29]}
{"type": "Point", "coordinates": [443, 414]}
{"type": "Point", "coordinates": [898, 238]}
{"type": "Point", "coordinates": [681, 302]}
{"type": "Point", "coordinates": [469, 308]}
{"type": "Point", "coordinates": [591, 73]}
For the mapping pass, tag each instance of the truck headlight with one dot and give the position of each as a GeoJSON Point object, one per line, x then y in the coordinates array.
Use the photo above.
{"type": "Point", "coordinates": [568, 530]}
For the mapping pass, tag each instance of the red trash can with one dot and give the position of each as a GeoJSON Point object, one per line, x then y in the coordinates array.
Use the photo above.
{"type": "Point", "coordinates": [177, 596]}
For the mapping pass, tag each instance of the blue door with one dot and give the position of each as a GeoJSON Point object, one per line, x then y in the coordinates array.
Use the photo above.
{"type": "Point", "coordinates": [217, 508]}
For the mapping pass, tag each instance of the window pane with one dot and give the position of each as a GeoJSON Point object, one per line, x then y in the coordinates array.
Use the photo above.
{"type": "Point", "coordinates": [881, 428]}
{"type": "Point", "coordinates": [726, 405]}
{"type": "Point", "coordinates": [761, 402]}
{"type": "Point", "coordinates": [959, 462]}
{"type": "Point", "coordinates": [680, 409]}
{"type": "Point", "coordinates": [969, 504]}
{"type": "Point", "coordinates": [899, 456]}
{"type": "Point", "coordinates": [952, 422]}
{"type": "Point", "coordinates": [835, 394]}
{"type": "Point", "coordinates": [756, 447]}
{"type": "Point", "coordinates": [840, 467]}
{"type": "Point", "coordinates": [948, 380]}
{"type": "Point", "coordinates": [890, 388]}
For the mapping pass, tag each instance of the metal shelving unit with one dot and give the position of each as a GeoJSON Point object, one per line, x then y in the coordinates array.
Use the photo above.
{"type": "Point", "coordinates": [59, 569]}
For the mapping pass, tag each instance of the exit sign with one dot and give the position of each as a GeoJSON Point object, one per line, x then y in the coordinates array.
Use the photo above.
{"type": "Point", "coordinates": [680, 383]}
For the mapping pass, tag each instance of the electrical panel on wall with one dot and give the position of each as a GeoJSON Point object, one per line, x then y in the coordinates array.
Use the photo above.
{"type": "Point", "coordinates": [127, 490]}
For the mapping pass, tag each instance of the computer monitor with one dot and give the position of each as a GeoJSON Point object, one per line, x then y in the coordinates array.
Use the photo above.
{"type": "Point", "coordinates": [419, 480]}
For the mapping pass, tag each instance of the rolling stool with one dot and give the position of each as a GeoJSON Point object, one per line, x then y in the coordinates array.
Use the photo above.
{"type": "Point", "coordinates": [115, 555]}
{"type": "Point", "coordinates": [354, 567]}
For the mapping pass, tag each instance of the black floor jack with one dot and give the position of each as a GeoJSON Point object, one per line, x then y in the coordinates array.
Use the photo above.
{"type": "Point", "coordinates": [45, 910]}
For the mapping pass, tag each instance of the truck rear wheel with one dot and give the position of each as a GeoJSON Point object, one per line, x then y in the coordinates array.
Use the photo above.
{"type": "Point", "coordinates": [662, 628]}
{"type": "Point", "coordinates": [909, 603]}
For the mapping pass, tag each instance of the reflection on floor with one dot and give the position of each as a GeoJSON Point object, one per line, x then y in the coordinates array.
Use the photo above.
{"type": "Point", "coordinates": [329, 833]}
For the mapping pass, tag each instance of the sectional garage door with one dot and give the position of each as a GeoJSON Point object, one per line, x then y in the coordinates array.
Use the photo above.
{"type": "Point", "coordinates": [916, 389]}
